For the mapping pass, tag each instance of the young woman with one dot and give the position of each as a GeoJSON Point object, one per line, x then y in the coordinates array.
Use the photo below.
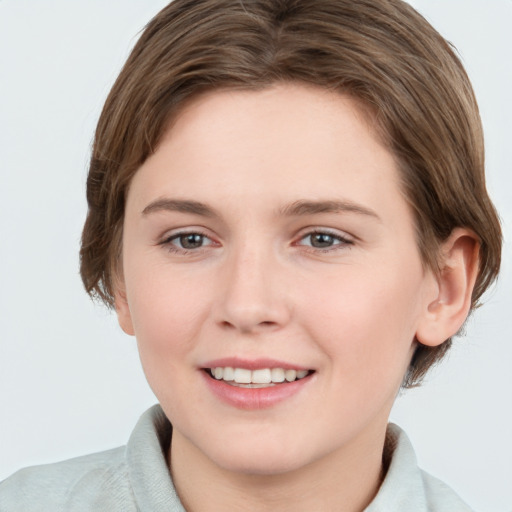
{"type": "Point", "coordinates": [287, 209]}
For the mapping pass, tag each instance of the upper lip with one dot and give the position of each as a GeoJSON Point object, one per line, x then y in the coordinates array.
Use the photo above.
{"type": "Point", "coordinates": [252, 364]}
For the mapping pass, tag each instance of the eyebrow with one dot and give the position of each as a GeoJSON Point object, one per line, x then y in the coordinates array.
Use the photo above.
{"type": "Point", "coordinates": [295, 209]}
{"type": "Point", "coordinates": [305, 207]}
{"type": "Point", "coordinates": [179, 205]}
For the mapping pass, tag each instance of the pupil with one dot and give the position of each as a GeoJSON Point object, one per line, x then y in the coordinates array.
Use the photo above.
{"type": "Point", "coordinates": [192, 241]}
{"type": "Point", "coordinates": [321, 240]}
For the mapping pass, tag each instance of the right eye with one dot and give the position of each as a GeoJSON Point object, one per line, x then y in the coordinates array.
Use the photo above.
{"type": "Point", "coordinates": [184, 242]}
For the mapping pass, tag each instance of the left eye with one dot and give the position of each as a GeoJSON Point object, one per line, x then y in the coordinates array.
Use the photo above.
{"type": "Point", "coordinates": [322, 240]}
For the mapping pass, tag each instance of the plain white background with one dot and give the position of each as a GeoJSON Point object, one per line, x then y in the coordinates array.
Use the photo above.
{"type": "Point", "coordinates": [70, 380]}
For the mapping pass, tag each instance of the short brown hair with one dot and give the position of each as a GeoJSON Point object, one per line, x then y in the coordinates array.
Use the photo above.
{"type": "Point", "coordinates": [383, 53]}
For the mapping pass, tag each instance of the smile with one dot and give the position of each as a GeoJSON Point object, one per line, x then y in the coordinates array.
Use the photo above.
{"type": "Point", "coordinates": [264, 377]}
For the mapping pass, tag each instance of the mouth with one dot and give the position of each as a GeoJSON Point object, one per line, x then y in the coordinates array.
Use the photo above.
{"type": "Point", "coordinates": [259, 378]}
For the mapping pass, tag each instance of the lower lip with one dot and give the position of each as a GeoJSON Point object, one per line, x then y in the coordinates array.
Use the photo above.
{"type": "Point", "coordinates": [254, 398]}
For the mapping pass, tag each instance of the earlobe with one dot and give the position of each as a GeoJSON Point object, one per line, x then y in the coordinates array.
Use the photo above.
{"type": "Point", "coordinates": [123, 309]}
{"type": "Point", "coordinates": [459, 266]}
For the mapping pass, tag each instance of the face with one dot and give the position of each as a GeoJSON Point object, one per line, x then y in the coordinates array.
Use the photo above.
{"type": "Point", "coordinates": [268, 237]}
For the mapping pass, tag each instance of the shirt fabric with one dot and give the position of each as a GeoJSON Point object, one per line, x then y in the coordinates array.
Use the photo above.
{"type": "Point", "coordinates": [135, 478]}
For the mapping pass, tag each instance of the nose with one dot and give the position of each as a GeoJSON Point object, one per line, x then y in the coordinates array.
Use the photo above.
{"type": "Point", "coordinates": [254, 295]}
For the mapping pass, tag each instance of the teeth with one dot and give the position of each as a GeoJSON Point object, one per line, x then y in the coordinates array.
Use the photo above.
{"type": "Point", "coordinates": [242, 376]}
{"type": "Point", "coordinates": [290, 375]}
{"type": "Point", "coordinates": [262, 376]}
{"type": "Point", "coordinates": [277, 375]}
{"type": "Point", "coordinates": [229, 374]}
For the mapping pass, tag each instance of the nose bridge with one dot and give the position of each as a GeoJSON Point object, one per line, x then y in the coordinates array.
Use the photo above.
{"type": "Point", "coordinates": [253, 297]}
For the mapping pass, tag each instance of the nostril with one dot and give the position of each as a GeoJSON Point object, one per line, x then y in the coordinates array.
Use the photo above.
{"type": "Point", "coordinates": [265, 324]}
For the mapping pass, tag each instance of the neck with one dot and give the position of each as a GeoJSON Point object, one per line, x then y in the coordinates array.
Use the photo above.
{"type": "Point", "coordinates": [346, 481]}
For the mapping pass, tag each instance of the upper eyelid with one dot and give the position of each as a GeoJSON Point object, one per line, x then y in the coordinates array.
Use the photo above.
{"type": "Point", "coordinates": [339, 240]}
{"type": "Point", "coordinates": [312, 230]}
{"type": "Point", "coordinates": [176, 233]}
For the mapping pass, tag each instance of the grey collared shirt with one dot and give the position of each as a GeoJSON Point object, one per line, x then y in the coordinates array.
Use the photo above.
{"type": "Point", "coordinates": [135, 478]}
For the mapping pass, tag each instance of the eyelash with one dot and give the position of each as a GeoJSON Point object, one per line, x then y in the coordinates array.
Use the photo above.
{"type": "Point", "coordinates": [342, 242]}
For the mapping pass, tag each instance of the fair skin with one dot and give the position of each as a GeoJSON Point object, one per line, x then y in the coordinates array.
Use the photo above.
{"type": "Point", "coordinates": [268, 232]}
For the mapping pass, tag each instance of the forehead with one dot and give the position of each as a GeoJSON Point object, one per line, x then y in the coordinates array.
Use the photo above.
{"type": "Point", "coordinates": [294, 138]}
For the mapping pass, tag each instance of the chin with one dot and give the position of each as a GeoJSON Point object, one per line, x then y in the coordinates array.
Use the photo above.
{"type": "Point", "coordinates": [264, 458]}
{"type": "Point", "coordinates": [260, 466]}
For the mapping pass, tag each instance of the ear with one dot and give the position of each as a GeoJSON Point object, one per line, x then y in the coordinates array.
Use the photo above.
{"type": "Point", "coordinates": [124, 316]}
{"type": "Point", "coordinates": [459, 264]}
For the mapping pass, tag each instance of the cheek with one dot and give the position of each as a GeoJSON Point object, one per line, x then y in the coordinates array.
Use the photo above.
{"type": "Point", "coordinates": [167, 319]}
{"type": "Point", "coordinates": [167, 313]}
{"type": "Point", "coordinates": [366, 321]}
